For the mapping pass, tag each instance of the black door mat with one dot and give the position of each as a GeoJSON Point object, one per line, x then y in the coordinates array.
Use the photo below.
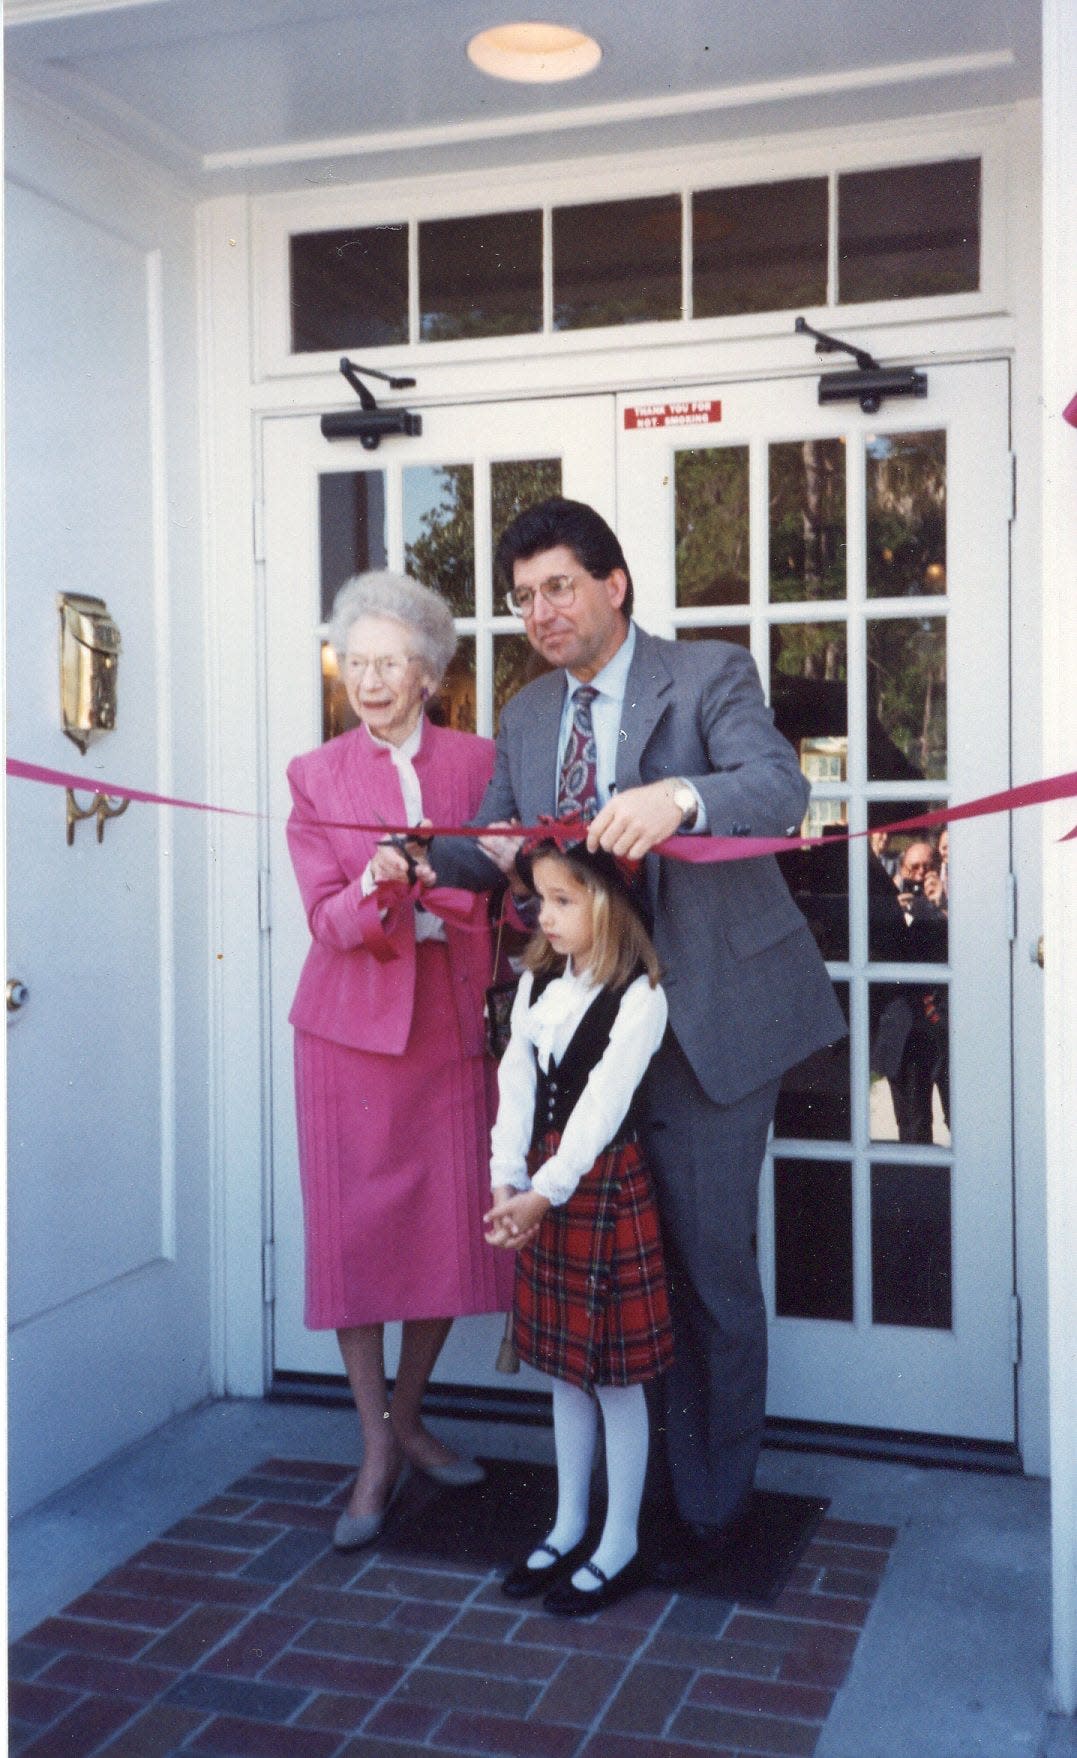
{"type": "Point", "coordinates": [760, 1550]}
{"type": "Point", "coordinates": [493, 1524]}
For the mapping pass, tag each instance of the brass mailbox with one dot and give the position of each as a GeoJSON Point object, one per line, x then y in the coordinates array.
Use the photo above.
{"type": "Point", "coordinates": [90, 647]}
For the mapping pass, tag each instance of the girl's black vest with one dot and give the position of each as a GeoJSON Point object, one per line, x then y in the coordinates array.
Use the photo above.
{"type": "Point", "coordinates": [559, 1088]}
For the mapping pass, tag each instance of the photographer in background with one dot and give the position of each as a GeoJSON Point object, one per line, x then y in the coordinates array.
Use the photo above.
{"type": "Point", "coordinates": [937, 880]}
{"type": "Point", "coordinates": [911, 1046]}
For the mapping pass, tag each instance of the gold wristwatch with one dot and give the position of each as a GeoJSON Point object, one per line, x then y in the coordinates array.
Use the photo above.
{"type": "Point", "coordinates": [684, 798]}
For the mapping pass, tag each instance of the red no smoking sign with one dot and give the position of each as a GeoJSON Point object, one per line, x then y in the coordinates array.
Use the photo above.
{"type": "Point", "coordinates": [688, 414]}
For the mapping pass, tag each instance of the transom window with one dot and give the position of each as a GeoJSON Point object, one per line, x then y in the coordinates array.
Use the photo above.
{"type": "Point", "coordinates": [900, 232]}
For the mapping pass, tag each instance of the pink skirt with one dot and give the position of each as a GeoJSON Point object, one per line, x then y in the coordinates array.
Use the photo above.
{"type": "Point", "coordinates": [394, 1163]}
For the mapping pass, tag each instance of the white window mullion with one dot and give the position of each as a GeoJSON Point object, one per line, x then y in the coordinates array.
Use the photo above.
{"type": "Point", "coordinates": [759, 555]}
{"type": "Point", "coordinates": [859, 1027]}
{"type": "Point", "coordinates": [832, 239]}
{"type": "Point", "coordinates": [484, 655]}
{"type": "Point", "coordinates": [394, 517]}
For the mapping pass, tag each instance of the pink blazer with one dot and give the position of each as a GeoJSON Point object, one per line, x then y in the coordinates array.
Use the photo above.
{"type": "Point", "coordinates": [349, 990]}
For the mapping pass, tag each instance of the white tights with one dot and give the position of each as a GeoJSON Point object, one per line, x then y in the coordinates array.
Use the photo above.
{"type": "Point", "coordinates": [575, 1429]}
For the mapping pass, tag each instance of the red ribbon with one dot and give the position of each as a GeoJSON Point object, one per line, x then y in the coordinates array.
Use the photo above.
{"type": "Point", "coordinates": [680, 848]}
{"type": "Point", "coordinates": [456, 908]}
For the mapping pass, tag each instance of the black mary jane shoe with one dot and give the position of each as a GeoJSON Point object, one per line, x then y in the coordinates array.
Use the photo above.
{"type": "Point", "coordinates": [524, 1583]}
{"type": "Point", "coordinates": [566, 1601]}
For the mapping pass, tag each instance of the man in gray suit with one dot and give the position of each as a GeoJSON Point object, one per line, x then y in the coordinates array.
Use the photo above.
{"type": "Point", "coordinates": [683, 743]}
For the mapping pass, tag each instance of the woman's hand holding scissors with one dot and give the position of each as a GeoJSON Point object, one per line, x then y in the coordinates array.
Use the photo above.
{"type": "Point", "coordinates": [403, 860]}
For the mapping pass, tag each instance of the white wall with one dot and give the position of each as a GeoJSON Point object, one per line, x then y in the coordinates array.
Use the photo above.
{"type": "Point", "coordinates": [109, 1122]}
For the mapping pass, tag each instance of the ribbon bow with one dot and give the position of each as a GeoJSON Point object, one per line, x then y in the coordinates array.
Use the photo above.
{"type": "Point", "coordinates": [456, 908]}
{"type": "Point", "coordinates": [563, 832]}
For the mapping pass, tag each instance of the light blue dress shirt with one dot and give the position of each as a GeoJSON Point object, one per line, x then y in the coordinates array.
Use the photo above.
{"type": "Point", "coordinates": [610, 683]}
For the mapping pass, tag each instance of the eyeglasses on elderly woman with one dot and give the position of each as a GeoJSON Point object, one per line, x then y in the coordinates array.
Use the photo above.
{"type": "Point", "coordinates": [389, 667]}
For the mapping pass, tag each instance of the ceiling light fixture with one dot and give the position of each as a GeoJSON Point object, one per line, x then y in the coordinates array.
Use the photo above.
{"type": "Point", "coordinates": [535, 53]}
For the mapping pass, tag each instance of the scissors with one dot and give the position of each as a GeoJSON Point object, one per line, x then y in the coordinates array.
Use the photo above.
{"type": "Point", "coordinates": [400, 843]}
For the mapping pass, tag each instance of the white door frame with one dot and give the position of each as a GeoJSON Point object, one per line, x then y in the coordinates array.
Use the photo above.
{"type": "Point", "coordinates": [235, 405]}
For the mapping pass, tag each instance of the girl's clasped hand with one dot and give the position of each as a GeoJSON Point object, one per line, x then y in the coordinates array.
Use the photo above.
{"type": "Point", "coordinates": [516, 1216]}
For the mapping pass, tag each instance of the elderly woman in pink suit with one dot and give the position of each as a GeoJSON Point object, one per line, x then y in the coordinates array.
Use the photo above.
{"type": "Point", "coordinates": [392, 1087]}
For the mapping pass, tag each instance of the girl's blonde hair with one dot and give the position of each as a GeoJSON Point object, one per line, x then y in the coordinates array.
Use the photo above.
{"type": "Point", "coordinates": [620, 942]}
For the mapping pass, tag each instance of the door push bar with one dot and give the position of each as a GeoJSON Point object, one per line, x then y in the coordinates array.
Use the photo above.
{"type": "Point", "coordinates": [870, 383]}
{"type": "Point", "coordinates": [369, 424]}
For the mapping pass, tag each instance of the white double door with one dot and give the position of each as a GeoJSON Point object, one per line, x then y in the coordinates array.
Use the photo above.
{"type": "Point", "coordinates": [864, 560]}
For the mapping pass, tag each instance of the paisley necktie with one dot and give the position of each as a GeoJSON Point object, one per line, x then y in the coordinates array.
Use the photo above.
{"type": "Point", "coordinates": [577, 785]}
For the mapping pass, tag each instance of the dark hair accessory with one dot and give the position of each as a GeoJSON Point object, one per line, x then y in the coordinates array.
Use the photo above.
{"type": "Point", "coordinates": [567, 837]}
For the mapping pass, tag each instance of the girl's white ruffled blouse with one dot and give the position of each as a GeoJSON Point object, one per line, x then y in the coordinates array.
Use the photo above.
{"type": "Point", "coordinates": [545, 1031]}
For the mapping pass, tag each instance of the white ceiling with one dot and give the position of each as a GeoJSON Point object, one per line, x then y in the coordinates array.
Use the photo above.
{"type": "Point", "coordinates": [268, 93]}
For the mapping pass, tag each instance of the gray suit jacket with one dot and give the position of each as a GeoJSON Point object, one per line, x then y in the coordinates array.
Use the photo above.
{"type": "Point", "coordinates": [748, 992]}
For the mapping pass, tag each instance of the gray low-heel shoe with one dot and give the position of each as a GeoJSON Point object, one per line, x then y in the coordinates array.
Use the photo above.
{"type": "Point", "coordinates": [355, 1531]}
{"type": "Point", "coordinates": [456, 1475]}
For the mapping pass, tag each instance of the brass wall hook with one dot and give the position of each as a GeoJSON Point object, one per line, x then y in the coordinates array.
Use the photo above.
{"type": "Point", "coordinates": [105, 811]}
{"type": "Point", "coordinates": [100, 808]}
{"type": "Point", "coordinates": [75, 813]}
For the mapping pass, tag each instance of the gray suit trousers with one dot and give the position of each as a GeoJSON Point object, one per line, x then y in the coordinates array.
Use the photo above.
{"type": "Point", "coordinates": [705, 1160]}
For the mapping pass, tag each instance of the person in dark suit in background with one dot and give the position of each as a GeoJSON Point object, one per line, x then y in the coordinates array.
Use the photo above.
{"type": "Point", "coordinates": [657, 739]}
{"type": "Point", "coordinates": [911, 1039]}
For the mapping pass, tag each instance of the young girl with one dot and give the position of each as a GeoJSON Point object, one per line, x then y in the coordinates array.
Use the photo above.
{"type": "Point", "coordinates": [590, 1303]}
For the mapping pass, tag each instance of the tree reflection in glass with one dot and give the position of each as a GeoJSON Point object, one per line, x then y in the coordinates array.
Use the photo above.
{"type": "Point", "coordinates": [712, 526]}
{"type": "Point", "coordinates": [439, 531]}
{"type": "Point", "coordinates": [738, 633]}
{"type": "Point", "coordinates": [807, 520]}
{"type": "Point", "coordinates": [455, 703]}
{"type": "Point", "coordinates": [515, 664]}
{"type": "Point", "coordinates": [906, 514]}
{"type": "Point", "coordinates": [516, 483]}
{"type": "Point", "coordinates": [906, 698]}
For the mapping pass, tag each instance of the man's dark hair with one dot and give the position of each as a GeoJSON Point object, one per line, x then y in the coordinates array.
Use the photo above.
{"type": "Point", "coordinates": [551, 523]}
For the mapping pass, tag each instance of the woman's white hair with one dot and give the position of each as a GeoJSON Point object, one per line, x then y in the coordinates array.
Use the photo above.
{"type": "Point", "coordinates": [423, 613]}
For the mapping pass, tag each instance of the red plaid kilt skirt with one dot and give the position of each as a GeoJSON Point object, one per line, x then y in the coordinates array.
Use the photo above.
{"type": "Point", "coordinates": [590, 1303]}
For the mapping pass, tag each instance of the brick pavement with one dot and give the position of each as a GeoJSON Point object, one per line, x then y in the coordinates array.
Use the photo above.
{"type": "Point", "coordinates": [241, 1633]}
